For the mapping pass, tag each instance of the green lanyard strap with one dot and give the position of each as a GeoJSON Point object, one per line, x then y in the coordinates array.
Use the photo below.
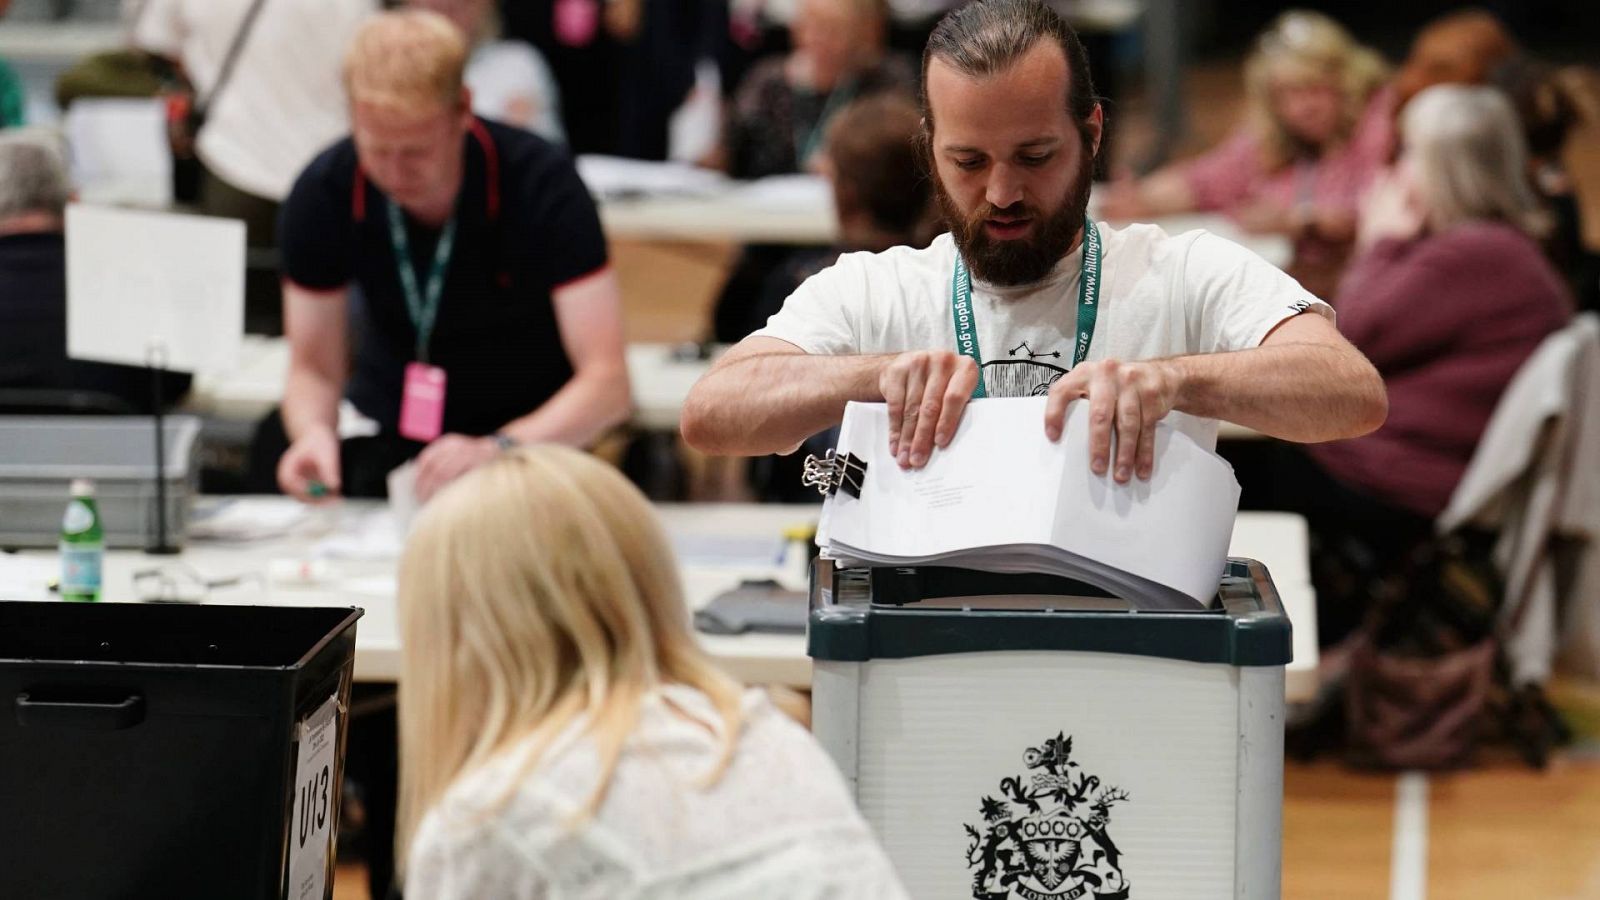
{"type": "Point", "coordinates": [966, 320]}
{"type": "Point", "coordinates": [423, 307]}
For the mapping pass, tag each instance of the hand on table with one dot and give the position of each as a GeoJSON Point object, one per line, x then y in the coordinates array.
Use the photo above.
{"type": "Point", "coordinates": [309, 470]}
{"type": "Point", "coordinates": [1126, 400]}
{"type": "Point", "coordinates": [448, 458]}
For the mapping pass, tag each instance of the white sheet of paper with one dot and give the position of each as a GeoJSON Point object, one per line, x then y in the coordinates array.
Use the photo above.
{"type": "Point", "coordinates": [141, 282]}
{"type": "Point", "coordinates": [616, 177]}
{"type": "Point", "coordinates": [120, 150]}
{"type": "Point", "coordinates": [787, 193]}
{"type": "Point", "coordinates": [1003, 484]}
{"type": "Point", "coordinates": [312, 829]}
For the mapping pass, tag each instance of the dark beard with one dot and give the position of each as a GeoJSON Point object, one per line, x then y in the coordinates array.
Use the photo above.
{"type": "Point", "coordinates": [1019, 261]}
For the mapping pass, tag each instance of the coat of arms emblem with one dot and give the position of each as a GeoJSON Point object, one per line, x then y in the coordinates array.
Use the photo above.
{"type": "Point", "coordinates": [1048, 840]}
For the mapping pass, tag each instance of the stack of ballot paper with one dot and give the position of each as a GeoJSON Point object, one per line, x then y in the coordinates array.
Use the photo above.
{"type": "Point", "coordinates": [1003, 497]}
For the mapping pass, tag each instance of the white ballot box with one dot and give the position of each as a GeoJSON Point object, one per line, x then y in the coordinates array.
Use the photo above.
{"type": "Point", "coordinates": [1025, 737]}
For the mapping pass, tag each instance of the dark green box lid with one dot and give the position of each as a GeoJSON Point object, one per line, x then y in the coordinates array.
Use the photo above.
{"type": "Point", "coordinates": [1245, 626]}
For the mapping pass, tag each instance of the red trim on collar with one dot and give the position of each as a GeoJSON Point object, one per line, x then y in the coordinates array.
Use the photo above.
{"type": "Point", "coordinates": [491, 167]}
{"type": "Point", "coordinates": [358, 196]}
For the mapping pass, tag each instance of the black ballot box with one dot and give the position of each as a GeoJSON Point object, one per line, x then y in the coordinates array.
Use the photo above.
{"type": "Point", "coordinates": [171, 750]}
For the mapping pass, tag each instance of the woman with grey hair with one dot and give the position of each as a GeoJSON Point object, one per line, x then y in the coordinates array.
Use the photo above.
{"type": "Point", "coordinates": [1448, 296]}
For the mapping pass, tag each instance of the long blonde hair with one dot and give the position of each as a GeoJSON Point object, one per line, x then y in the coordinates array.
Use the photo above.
{"type": "Point", "coordinates": [1466, 150]}
{"type": "Point", "coordinates": [1300, 45]}
{"type": "Point", "coordinates": [537, 592]}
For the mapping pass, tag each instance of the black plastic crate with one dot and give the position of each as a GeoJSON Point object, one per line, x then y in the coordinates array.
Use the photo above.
{"type": "Point", "coordinates": [149, 750]}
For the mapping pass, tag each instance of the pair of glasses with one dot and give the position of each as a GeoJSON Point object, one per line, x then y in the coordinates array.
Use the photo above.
{"type": "Point", "coordinates": [181, 584]}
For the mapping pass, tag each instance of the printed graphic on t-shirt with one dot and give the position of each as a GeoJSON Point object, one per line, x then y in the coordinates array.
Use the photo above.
{"type": "Point", "coordinates": [1023, 372]}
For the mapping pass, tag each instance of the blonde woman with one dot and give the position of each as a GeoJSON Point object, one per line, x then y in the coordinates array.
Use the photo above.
{"type": "Point", "coordinates": [1319, 126]}
{"type": "Point", "coordinates": [562, 735]}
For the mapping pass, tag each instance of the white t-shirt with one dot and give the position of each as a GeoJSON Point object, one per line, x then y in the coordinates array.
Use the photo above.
{"type": "Point", "coordinates": [285, 100]}
{"type": "Point", "coordinates": [511, 83]}
{"type": "Point", "coordinates": [1160, 296]}
{"type": "Point", "coordinates": [779, 824]}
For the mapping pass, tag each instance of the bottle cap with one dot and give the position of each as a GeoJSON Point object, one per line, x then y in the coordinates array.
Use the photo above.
{"type": "Point", "coordinates": [82, 487]}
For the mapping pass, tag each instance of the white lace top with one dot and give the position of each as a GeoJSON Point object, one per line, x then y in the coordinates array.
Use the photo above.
{"type": "Point", "coordinates": [778, 824]}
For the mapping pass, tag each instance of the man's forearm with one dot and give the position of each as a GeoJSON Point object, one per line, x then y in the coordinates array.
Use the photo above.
{"type": "Point", "coordinates": [770, 402]}
{"type": "Point", "coordinates": [582, 410]}
{"type": "Point", "coordinates": [1298, 392]}
{"type": "Point", "coordinates": [310, 401]}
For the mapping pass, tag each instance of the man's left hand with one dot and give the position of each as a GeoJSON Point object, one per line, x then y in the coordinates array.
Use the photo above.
{"type": "Point", "coordinates": [1126, 400]}
{"type": "Point", "coordinates": [448, 458]}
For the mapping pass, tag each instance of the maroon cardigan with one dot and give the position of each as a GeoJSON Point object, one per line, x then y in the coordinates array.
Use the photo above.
{"type": "Point", "coordinates": [1448, 319]}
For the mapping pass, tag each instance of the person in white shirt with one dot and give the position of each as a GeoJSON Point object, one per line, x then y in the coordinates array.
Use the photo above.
{"type": "Point", "coordinates": [1188, 327]}
{"type": "Point", "coordinates": [561, 733]}
{"type": "Point", "coordinates": [284, 100]}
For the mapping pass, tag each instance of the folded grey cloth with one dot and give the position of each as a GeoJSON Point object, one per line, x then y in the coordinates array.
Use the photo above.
{"type": "Point", "coordinates": [761, 607]}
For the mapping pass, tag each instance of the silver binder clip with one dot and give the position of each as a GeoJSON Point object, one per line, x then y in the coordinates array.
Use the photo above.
{"type": "Point", "coordinates": [829, 472]}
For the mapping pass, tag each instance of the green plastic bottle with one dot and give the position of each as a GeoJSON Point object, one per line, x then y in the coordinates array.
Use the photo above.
{"type": "Point", "coordinates": [83, 546]}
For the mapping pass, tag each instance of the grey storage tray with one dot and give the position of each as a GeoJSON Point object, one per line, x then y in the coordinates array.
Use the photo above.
{"type": "Point", "coordinates": [41, 455]}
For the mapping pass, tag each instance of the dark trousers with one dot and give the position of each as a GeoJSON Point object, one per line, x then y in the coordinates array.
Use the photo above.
{"type": "Point", "coordinates": [372, 763]}
{"type": "Point", "coordinates": [364, 462]}
{"type": "Point", "coordinates": [263, 295]}
{"type": "Point", "coordinates": [1354, 535]}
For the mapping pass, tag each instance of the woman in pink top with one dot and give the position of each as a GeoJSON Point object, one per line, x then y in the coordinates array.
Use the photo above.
{"type": "Point", "coordinates": [1319, 127]}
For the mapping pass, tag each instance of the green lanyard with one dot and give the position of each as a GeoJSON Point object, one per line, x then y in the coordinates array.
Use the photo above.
{"type": "Point", "coordinates": [424, 308]}
{"type": "Point", "coordinates": [966, 320]}
{"type": "Point", "coordinates": [805, 147]}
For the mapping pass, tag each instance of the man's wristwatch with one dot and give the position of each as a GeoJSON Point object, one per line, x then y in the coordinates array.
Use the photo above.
{"type": "Point", "coordinates": [504, 441]}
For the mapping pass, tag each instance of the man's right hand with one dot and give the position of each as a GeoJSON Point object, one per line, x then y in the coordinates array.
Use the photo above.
{"type": "Point", "coordinates": [313, 459]}
{"type": "Point", "coordinates": [927, 391]}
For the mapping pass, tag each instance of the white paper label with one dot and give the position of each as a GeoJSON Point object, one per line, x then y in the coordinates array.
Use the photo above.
{"type": "Point", "coordinates": [312, 828]}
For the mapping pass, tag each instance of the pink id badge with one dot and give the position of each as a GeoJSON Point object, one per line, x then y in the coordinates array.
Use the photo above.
{"type": "Point", "coordinates": [422, 404]}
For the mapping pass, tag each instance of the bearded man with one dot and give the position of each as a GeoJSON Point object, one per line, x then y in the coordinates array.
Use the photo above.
{"type": "Point", "coordinates": [1025, 296]}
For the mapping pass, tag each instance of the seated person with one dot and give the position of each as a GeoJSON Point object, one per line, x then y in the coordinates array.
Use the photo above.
{"type": "Point", "coordinates": [1448, 299]}
{"type": "Point", "coordinates": [35, 373]}
{"type": "Point", "coordinates": [1319, 129]}
{"type": "Point", "coordinates": [1027, 297]}
{"type": "Point", "coordinates": [779, 118]}
{"type": "Point", "coordinates": [482, 274]}
{"type": "Point", "coordinates": [882, 199]}
{"type": "Point", "coordinates": [562, 734]}
{"type": "Point", "coordinates": [510, 82]}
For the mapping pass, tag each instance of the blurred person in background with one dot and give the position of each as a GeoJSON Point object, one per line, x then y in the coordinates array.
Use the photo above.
{"type": "Point", "coordinates": [1448, 296]}
{"type": "Point", "coordinates": [1559, 108]}
{"type": "Point", "coordinates": [1463, 47]}
{"type": "Point", "coordinates": [562, 734]}
{"type": "Point", "coordinates": [491, 314]}
{"type": "Point", "coordinates": [1318, 130]}
{"type": "Point", "coordinates": [509, 80]}
{"type": "Point", "coordinates": [281, 103]}
{"type": "Point", "coordinates": [34, 191]}
{"type": "Point", "coordinates": [781, 111]}
{"type": "Point", "coordinates": [780, 116]}
{"type": "Point", "coordinates": [883, 198]}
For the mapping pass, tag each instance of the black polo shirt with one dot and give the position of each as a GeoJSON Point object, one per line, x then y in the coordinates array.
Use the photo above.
{"type": "Point", "coordinates": [525, 225]}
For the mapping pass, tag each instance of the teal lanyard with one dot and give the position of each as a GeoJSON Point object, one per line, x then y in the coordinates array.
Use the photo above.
{"type": "Point", "coordinates": [805, 147]}
{"type": "Point", "coordinates": [966, 320]}
{"type": "Point", "coordinates": [424, 307]}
